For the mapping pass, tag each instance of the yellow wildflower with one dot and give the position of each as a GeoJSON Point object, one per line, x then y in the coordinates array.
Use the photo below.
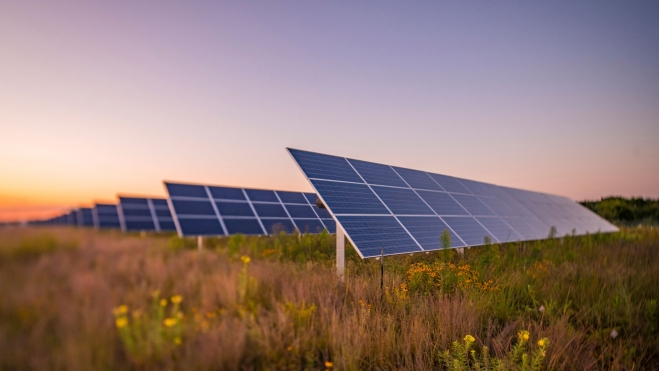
{"type": "Point", "coordinates": [543, 342]}
{"type": "Point", "coordinates": [328, 364]}
{"type": "Point", "coordinates": [169, 322]}
{"type": "Point", "coordinates": [523, 335]}
{"type": "Point", "coordinates": [163, 302]}
{"type": "Point", "coordinates": [176, 299]}
{"type": "Point", "coordinates": [469, 339]}
{"type": "Point", "coordinates": [177, 340]}
{"type": "Point", "coordinates": [245, 259]}
{"type": "Point", "coordinates": [121, 322]}
{"type": "Point", "coordinates": [122, 309]}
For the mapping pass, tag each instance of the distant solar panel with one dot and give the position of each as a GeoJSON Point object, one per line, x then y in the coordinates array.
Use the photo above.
{"type": "Point", "coordinates": [105, 216]}
{"type": "Point", "coordinates": [203, 210]}
{"type": "Point", "coordinates": [405, 211]}
{"type": "Point", "coordinates": [85, 217]}
{"type": "Point", "coordinates": [145, 214]}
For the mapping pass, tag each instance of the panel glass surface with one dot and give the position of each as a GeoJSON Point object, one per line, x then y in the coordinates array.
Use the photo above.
{"type": "Point", "coordinates": [418, 179]}
{"type": "Point", "coordinates": [469, 230]}
{"type": "Point", "coordinates": [442, 203]}
{"type": "Point", "coordinates": [372, 233]}
{"type": "Point", "coordinates": [426, 230]}
{"type": "Point", "coordinates": [473, 205]}
{"type": "Point", "coordinates": [261, 212]}
{"type": "Point", "coordinates": [402, 201]}
{"type": "Point", "coordinates": [503, 214]}
{"type": "Point", "coordinates": [377, 174]}
{"type": "Point", "coordinates": [349, 198]}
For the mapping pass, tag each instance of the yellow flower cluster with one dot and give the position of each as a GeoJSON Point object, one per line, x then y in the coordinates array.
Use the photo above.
{"type": "Point", "coordinates": [436, 274]}
{"type": "Point", "coordinates": [523, 335]}
{"type": "Point", "coordinates": [246, 259]}
{"type": "Point", "coordinates": [539, 269]}
{"type": "Point", "coordinates": [469, 339]}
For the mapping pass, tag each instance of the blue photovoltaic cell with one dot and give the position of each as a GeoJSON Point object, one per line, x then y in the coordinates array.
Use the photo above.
{"type": "Point", "coordinates": [503, 214]}
{"type": "Point", "coordinates": [85, 217]}
{"type": "Point", "coordinates": [259, 212]}
{"type": "Point", "coordinates": [261, 195]}
{"type": "Point", "coordinates": [193, 207]}
{"type": "Point", "coordinates": [234, 209]}
{"type": "Point", "coordinates": [322, 213]}
{"type": "Point", "coordinates": [167, 226]}
{"type": "Point", "coordinates": [243, 226]}
{"type": "Point", "coordinates": [137, 225]}
{"type": "Point", "coordinates": [469, 230]}
{"type": "Point", "coordinates": [201, 227]}
{"type": "Point", "coordinates": [477, 188]}
{"type": "Point", "coordinates": [311, 197]}
{"type": "Point", "coordinates": [427, 230]}
{"type": "Point", "coordinates": [301, 211]}
{"type": "Point", "coordinates": [325, 167]}
{"type": "Point", "coordinates": [309, 225]}
{"type": "Point", "coordinates": [292, 198]}
{"type": "Point", "coordinates": [449, 183]}
{"type": "Point", "coordinates": [372, 233]}
{"type": "Point", "coordinates": [349, 198]}
{"type": "Point", "coordinates": [270, 210]}
{"type": "Point", "coordinates": [137, 212]}
{"type": "Point", "coordinates": [502, 231]}
{"type": "Point", "coordinates": [499, 207]}
{"type": "Point", "coordinates": [377, 174]}
{"type": "Point", "coordinates": [402, 201]}
{"type": "Point", "coordinates": [442, 203]}
{"type": "Point", "coordinates": [418, 179]}
{"type": "Point", "coordinates": [163, 212]}
{"type": "Point", "coordinates": [473, 205]}
{"type": "Point", "coordinates": [330, 224]}
{"type": "Point", "coordinates": [186, 190]}
{"type": "Point", "coordinates": [106, 216]}
{"type": "Point", "coordinates": [274, 226]}
{"type": "Point", "coordinates": [226, 193]}
{"type": "Point", "coordinates": [160, 203]}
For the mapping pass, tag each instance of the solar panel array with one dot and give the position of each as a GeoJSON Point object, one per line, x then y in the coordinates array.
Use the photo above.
{"type": "Point", "coordinates": [145, 214]}
{"type": "Point", "coordinates": [405, 211]}
{"type": "Point", "coordinates": [84, 217]}
{"type": "Point", "coordinates": [105, 216]}
{"type": "Point", "coordinates": [203, 210]}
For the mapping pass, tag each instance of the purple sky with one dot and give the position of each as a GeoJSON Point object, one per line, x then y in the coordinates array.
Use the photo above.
{"type": "Point", "coordinates": [106, 97]}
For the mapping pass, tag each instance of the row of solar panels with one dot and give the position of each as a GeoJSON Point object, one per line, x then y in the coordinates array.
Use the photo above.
{"type": "Point", "coordinates": [377, 206]}
{"type": "Point", "coordinates": [201, 210]}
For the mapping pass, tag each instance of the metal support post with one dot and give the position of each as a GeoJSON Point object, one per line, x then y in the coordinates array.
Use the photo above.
{"type": "Point", "coordinates": [200, 243]}
{"type": "Point", "coordinates": [340, 252]}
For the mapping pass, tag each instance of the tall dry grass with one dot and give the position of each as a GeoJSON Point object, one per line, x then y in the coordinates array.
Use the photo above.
{"type": "Point", "coordinates": [56, 311]}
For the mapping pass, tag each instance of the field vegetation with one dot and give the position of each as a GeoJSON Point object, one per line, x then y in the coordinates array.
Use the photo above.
{"type": "Point", "coordinates": [76, 299]}
{"type": "Point", "coordinates": [626, 211]}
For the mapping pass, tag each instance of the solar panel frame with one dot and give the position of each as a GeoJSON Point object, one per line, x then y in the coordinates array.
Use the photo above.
{"type": "Point", "coordinates": [145, 213]}
{"type": "Point", "coordinates": [271, 210]}
{"type": "Point", "coordinates": [106, 216]}
{"type": "Point", "coordinates": [524, 214]}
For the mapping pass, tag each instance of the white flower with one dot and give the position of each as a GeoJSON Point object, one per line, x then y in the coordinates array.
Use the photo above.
{"type": "Point", "coordinates": [614, 334]}
{"type": "Point", "coordinates": [542, 309]}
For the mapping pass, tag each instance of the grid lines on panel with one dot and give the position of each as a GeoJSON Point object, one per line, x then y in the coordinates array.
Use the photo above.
{"type": "Point", "coordinates": [422, 202]}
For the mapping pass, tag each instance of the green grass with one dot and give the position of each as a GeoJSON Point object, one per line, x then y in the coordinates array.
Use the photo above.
{"type": "Point", "coordinates": [285, 309]}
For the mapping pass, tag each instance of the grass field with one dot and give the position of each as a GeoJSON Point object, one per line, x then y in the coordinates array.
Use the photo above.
{"type": "Point", "coordinates": [76, 299]}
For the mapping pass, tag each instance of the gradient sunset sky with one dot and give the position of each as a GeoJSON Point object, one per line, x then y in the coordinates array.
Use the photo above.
{"type": "Point", "coordinates": [106, 97]}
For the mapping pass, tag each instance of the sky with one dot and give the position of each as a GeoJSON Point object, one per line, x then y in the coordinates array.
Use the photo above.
{"type": "Point", "coordinates": [99, 98]}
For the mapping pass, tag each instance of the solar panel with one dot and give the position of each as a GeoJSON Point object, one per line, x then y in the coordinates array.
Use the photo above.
{"type": "Point", "coordinates": [105, 216]}
{"type": "Point", "coordinates": [85, 217]}
{"type": "Point", "coordinates": [145, 214]}
{"type": "Point", "coordinates": [405, 211]}
{"type": "Point", "coordinates": [204, 210]}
